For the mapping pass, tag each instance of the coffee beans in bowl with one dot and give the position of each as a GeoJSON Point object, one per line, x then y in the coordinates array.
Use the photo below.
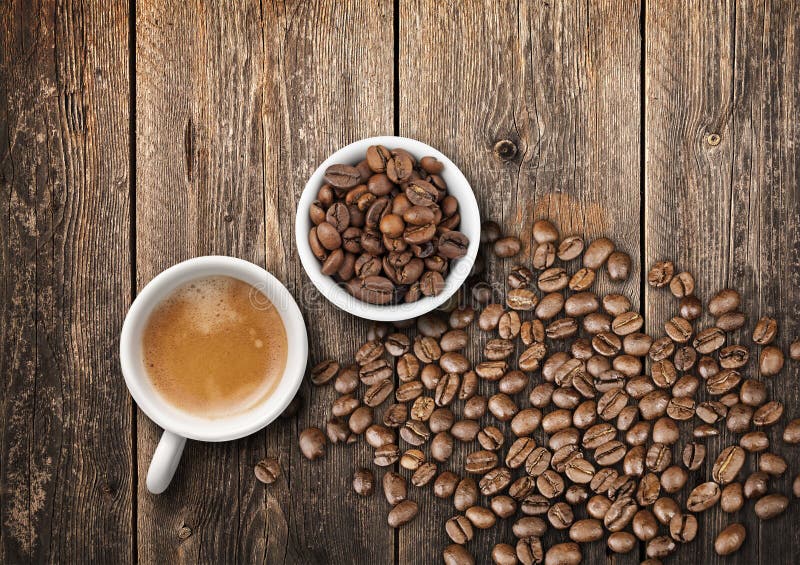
{"type": "Point", "coordinates": [388, 228]}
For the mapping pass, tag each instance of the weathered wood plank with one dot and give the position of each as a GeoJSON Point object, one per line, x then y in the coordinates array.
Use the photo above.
{"type": "Point", "coordinates": [199, 191]}
{"type": "Point", "coordinates": [723, 200]}
{"type": "Point", "coordinates": [236, 107]}
{"type": "Point", "coordinates": [65, 423]}
{"type": "Point", "coordinates": [560, 81]}
{"type": "Point", "coordinates": [327, 82]}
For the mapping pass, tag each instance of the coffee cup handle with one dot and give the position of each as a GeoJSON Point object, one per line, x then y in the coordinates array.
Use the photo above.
{"type": "Point", "coordinates": [165, 461]}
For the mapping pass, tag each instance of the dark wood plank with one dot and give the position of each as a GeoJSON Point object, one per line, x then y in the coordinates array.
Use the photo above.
{"type": "Point", "coordinates": [732, 200]}
{"type": "Point", "coordinates": [236, 107]}
{"type": "Point", "coordinates": [66, 472]}
{"type": "Point", "coordinates": [559, 81]}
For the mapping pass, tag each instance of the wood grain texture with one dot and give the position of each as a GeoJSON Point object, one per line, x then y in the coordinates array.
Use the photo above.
{"type": "Point", "coordinates": [727, 208]}
{"type": "Point", "coordinates": [66, 471]}
{"type": "Point", "coordinates": [236, 106]}
{"type": "Point", "coordinates": [560, 81]}
{"type": "Point", "coordinates": [328, 78]}
{"type": "Point", "coordinates": [199, 191]}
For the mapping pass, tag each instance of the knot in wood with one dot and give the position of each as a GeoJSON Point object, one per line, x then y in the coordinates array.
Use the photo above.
{"type": "Point", "coordinates": [714, 139]}
{"type": "Point", "coordinates": [505, 149]}
{"type": "Point", "coordinates": [185, 532]}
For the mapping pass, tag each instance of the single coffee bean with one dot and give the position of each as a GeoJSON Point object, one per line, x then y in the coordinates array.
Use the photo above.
{"type": "Point", "coordinates": [661, 274]}
{"type": "Point", "coordinates": [756, 485]}
{"type": "Point", "coordinates": [619, 266]}
{"type": "Point", "coordinates": [620, 513]}
{"type": "Point", "coordinates": [480, 462]}
{"type": "Point", "coordinates": [504, 554]}
{"type": "Point", "coordinates": [730, 539]}
{"type": "Point", "coordinates": [268, 470]}
{"type": "Point", "coordinates": [765, 331]}
{"type": "Point", "coordinates": [342, 176]}
{"type": "Point", "coordinates": [550, 484]}
{"type": "Point", "coordinates": [597, 506]}
{"type": "Point", "coordinates": [772, 464]}
{"type": "Point", "coordinates": [794, 350]}
{"type": "Point", "coordinates": [660, 547]}
{"type": "Point", "coordinates": [673, 479]}
{"type": "Point", "coordinates": [597, 253]}
{"type": "Point", "coordinates": [386, 455]}
{"type": "Point", "coordinates": [664, 509]}
{"type": "Point", "coordinates": [455, 554]}
{"type": "Point", "coordinates": [459, 529]}
{"type": "Point", "coordinates": [570, 248]}
{"type": "Point", "coordinates": [709, 340]}
{"type": "Point", "coordinates": [502, 407]}
{"type": "Point", "coordinates": [445, 484]}
{"type": "Point", "coordinates": [771, 361]}
{"type": "Point", "coordinates": [529, 551]}
{"type": "Point", "coordinates": [731, 321]}
{"type": "Point", "coordinates": [768, 414]}
{"type": "Point", "coordinates": [360, 420]}
{"type": "Point", "coordinates": [494, 481]}
{"type": "Point", "coordinates": [703, 497]}
{"type": "Point", "coordinates": [364, 482]}
{"type": "Point", "coordinates": [690, 308]}
{"type": "Point", "coordinates": [395, 415]}
{"type": "Point", "coordinates": [728, 464]}
{"type": "Point", "coordinates": [771, 506]}
{"type": "Point", "coordinates": [726, 300]}
{"type": "Point", "coordinates": [503, 506]}
{"type": "Point", "coordinates": [560, 515]}
{"type": "Point", "coordinates": [682, 285]}
{"type": "Point", "coordinates": [644, 525]}
{"type": "Point", "coordinates": [586, 531]}
{"type": "Point", "coordinates": [482, 518]}
{"type": "Point", "coordinates": [732, 498]}
{"type": "Point", "coordinates": [621, 542]}
{"type": "Point", "coordinates": [312, 443]}
{"type": "Point", "coordinates": [791, 434]}
{"type": "Point", "coordinates": [402, 513]}
{"type": "Point", "coordinates": [324, 371]}
{"type": "Point", "coordinates": [507, 246]}
{"type": "Point", "coordinates": [754, 442]}
{"type": "Point", "coordinates": [564, 554]}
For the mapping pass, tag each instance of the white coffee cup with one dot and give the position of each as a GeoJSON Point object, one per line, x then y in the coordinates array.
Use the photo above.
{"type": "Point", "coordinates": [179, 425]}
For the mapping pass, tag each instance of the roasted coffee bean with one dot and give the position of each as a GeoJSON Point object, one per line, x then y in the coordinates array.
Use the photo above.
{"type": "Point", "coordinates": [771, 361]}
{"type": "Point", "coordinates": [482, 518]}
{"type": "Point", "coordinates": [678, 329]}
{"type": "Point", "coordinates": [582, 280]}
{"type": "Point", "coordinates": [654, 404]}
{"type": "Point", "coordinates": [791, 434]}
{"type": "Point", "coordinates": [360, 419]}
{"type": "Point", "coordinates": [723, 382]}
{"type": "Point", "coordinates": [395, 488]}
{"type": "Point", "coordinates": [682, 285]}
{"type": "Point", "coordinates": [529, 526]}
{"type": "Point", "coordinates": [703, 497]}
{"type": "Point", "coordinates": [586, 531]}
{"type": "Point", "coordinates": [662, 349]}
{"type": "Point", "coordinates": [445, 484]}
{"type": "Point", "coordinates": [772, 464]}
{"type": "Point", "coordinates": [480, 462]}
{"type": "Point", "coordinates": [660, 547]}
{"type": "Point", "coordinates": [690, 308]}
{"type": "Point", "coordinates": [730, 539]}
{"type": "Point", "coordinates": [581, 304]}
{"type": "Point", "coordinates": [570, 248]}
{"type": "Point", "coordinates": [402, 513]}
{"type": "Point", "coordinates": [597, 506]}
{"type": "Point", "coordinates": [726, 300]}
{"type": "Point", "coordinates": [529, 551]}
{"type": "Point", "coordinates": [395, 415]}
{"type": "Point", "coordinates": [442, 446]}
{"type": "Point", "coordinates": [459, 529]}
{"type": "Point", "coordinates": [694, 455]}
{"type": "Point", "coordinates": [754, 442]}
{"type": "Point", "coordinates": [503, 506]}
{"type": "Point", "coordinates": [424, 474]}
{"type": "Point", "coordinates": [455, 554]}
{"type": "Point", "coordinates": [728, 464]}
{"type": "Point", "coordinates": [324, 371]}
{"type": "Point", "coordinates": [553, 280]}
{"type": "Point", "coordinates": [644, 525]}
{"type": "Point", "coordinates": [661, 274]}
{"type": "Point", "coordinates": [673, 479]}
{"type": "Point", "coordinates": [739, 418]}
{"type": "Point", "coordinates": [621, 542]}
{"type": "Point", "coordinates": [648, 490]}
{"type": "Point", "coordinates": [312, 443]}
{"type": "Point", "coordinates": [507, 246]}
{"type": "Point", "coordinates": [597, 252]}
{"type": "Point", "coordinates": [756, 485]}
{"type": "Point", "coordinates": [709, 340]}
{"type": "Point", "coordinates": [268, 470]}
{"type": "Point", "coordinates": [338, 431]}
{"type": "Point", "coordinates": [564, 554]}
{"type": "Point", "coordinates": [768, 414]}
{"type": "Point", "coordinates": [771, 506]}
{"type": "Point", "coordinates": [732, 498]}
{"type": "Point", "coordinates": [465, 430]}
{"type": "Point", "coordinates": [491, 438]}
{"type": "Point", "coordinates": [522, 487]}
{"type": "Point", "coordinates": [550, 484]}
{"type": "Point", "coordinates": [620, 513]}
{"type": "Point", "coordinates": [560, 515]}
{"type": "Point", "coordinates": [627, 323]}
{"type": "Point", "coordinates": [386, 455]}
{"type": "Point", "coordinates": [619, 266]}
{"type": "Point", "coordinates": [502, 407]}
{"type": "Point", "coordinates": [664, 509]}
{"type": "Point", "coordinates": [579, 470]}
{"type": "Point", "coordinates": [364, 482]}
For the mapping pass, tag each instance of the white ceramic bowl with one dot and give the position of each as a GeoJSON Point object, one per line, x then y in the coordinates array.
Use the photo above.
{"type": "Point", "coordinates": [470, 226]}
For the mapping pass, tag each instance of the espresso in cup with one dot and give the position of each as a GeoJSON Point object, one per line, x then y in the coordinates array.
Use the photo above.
{"type": "Point", "coordinates": [215, 347]}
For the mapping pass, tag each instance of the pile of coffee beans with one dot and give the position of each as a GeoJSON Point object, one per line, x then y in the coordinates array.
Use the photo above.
{"type": "Point", "coordinates": [386, 228]}
{"type": "Point", "coordinates": [572, 409]}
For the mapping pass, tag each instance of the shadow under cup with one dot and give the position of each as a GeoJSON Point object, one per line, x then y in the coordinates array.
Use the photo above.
{"type": "Point", "coordinates": [194, 426]}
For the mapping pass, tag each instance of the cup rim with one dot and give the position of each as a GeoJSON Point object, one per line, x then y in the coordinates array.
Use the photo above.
{"type": "Point", "coordinates": [460, 269]}
{"type": "Point", "coordinates": [196, 427]}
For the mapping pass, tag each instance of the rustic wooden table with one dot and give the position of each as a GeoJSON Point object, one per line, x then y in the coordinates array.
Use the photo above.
{"type": "Point", "coordinates": [137, 134]}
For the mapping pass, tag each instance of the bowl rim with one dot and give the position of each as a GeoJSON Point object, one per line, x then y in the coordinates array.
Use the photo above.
{"type": "Point", "coordinates": [460, 269]}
